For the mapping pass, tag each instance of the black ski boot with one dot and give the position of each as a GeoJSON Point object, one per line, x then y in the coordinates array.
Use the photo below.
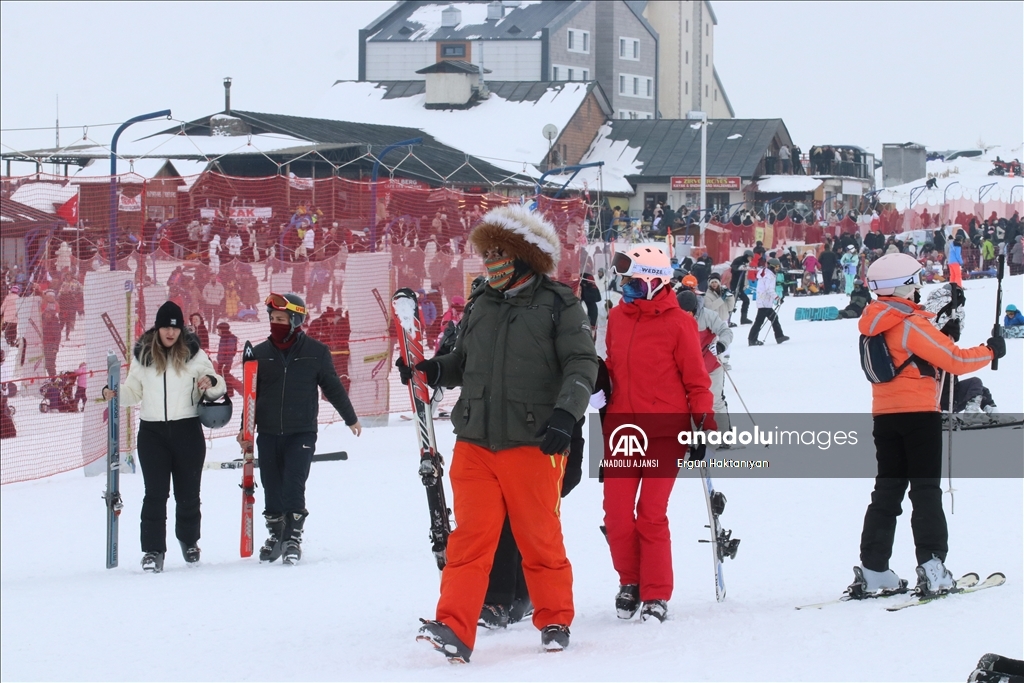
{"type": "Point", "coordinates": [153, 563]}
{"type": "Point", "coordinates": [271, 549]}
{"type": "Point", "coordinates": [654, 609]}
{"type": "Point", "coordinates": [783, 338]}
{"type": "Point", "coordinates": [521, 608]}
{"type": "Point", "coordinates": [554, 638]}
{"type": "Point", "coordinates": [493, 617]}
{"type": "Point", "coordinates": [444, 640]}
{"type": "Point", "coordinates": [627, 601]}
{"type": "Point", "coordinates": [993, 668]}
{"type": "Point", "coordinates": [190, 551]}
{"type": "Point", "coordinates": [291, 547]}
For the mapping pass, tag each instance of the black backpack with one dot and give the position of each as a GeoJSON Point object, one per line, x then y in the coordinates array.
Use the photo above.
{"type": "Point", "coordinates": [877, 363]}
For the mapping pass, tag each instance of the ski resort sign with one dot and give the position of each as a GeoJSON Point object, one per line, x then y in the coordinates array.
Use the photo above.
{"type": "Point", "coordinates": [713, 183]}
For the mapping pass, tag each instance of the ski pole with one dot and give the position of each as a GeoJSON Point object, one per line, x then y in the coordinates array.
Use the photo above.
{"type": "Point", "coordinates": [740, 396]}
{"type": "Point", "coordinates": [997, 330]}
{"type": "Point", "coordinates": [949, 443]}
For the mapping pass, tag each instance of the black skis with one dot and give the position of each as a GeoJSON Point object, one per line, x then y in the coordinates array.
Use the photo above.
{"type": "Point", "coordinates": [411, 333]}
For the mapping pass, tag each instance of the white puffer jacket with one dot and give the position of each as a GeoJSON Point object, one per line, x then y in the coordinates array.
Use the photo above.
{"type": "Point", "coordinates": [169, 395]}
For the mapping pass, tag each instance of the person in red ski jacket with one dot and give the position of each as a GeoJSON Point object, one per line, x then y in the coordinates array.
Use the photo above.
{"type": "Point", "coordinates": [658, 381]}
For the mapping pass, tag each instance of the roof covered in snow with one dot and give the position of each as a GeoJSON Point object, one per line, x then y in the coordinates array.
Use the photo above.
{"type": "Point", "coordinates": [788, 183]}
{"type": "Point", "coordinates": [421, 21]}
{"type": "Point", "coordinates": [505, 128]}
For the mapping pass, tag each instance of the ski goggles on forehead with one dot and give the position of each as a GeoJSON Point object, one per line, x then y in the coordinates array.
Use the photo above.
{"type": "Point", "coordinates": [914, 280]}
{"type": "Point", "coordinates": [622, 264]}
{"type": "Point", "coordinates": [279, 303]}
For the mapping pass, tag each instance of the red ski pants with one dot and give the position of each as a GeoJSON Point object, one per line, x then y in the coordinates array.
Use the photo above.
{"type": "Point", "coordinates": [637, 528]}
{"type": "Point", "coordinates": [525, 484]}
{"type": "Point", "coordinates": [956, 274]}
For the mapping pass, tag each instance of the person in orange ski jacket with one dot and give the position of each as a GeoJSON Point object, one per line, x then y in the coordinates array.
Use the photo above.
{"type": "Point", "coordinates": [908, 428]}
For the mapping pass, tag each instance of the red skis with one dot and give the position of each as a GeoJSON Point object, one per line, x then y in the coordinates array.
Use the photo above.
{"type": "Point", "coordinates": [249, 366]}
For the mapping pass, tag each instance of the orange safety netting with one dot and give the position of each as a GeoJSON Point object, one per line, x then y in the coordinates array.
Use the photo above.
{"type": "Point", "coordinates": [217, 246]}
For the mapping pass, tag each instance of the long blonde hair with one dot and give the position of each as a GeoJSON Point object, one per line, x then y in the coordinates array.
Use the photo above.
{"type": "Point", "coordinates": [156, 354]}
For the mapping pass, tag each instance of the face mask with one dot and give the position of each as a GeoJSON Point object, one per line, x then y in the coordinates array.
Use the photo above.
{"type": "Point", "coordinates": [499, 271]}
{"type": "Point", "coordinates": [634, 289]}
{"type": "Point", "coordinates": [280, 331]}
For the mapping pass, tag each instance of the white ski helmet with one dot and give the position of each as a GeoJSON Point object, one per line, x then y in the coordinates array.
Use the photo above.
{"type": "Point", "coordinates": [892, 271]}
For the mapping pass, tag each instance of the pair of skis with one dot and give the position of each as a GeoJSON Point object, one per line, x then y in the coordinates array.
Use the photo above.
{"type": "Point", "coordinates": [411, 333]}
{"type": "Point", "coordinates": [723, 545]}
{"type": "Point", "coordinates": [968, 583]}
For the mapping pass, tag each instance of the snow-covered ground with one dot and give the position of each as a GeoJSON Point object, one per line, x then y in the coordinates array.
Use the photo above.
{"type": "Point", "coordinates": [349, 611]}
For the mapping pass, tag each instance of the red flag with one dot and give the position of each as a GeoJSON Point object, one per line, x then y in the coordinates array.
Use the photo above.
{"type": "Point", "coordinates": [69, 211]}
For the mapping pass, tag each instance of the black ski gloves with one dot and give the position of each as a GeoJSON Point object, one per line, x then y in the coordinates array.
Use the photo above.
{"type": "Point", "coordinates": [698, 452]}
{"type": "Point", "coordinates": [574, 465]}
{"type": "Point", "coordinates": [430, 367]}
{"type": "Point", "coordinates": [557, 432]}
{"type": "Point", "coordinates": [720, 347]}
{"type": "Point", "coordinates": [998, 346]}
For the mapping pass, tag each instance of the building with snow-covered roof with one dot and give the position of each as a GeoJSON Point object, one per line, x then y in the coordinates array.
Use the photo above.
{"type": "Point", "coordinates": [506, 127]}
{"type": "Point", "coordinates": [546, 41]}
{"type": "Point", "coordinates": [654, 162]}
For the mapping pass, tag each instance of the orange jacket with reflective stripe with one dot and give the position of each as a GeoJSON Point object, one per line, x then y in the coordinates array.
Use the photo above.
{"type": "Point", "coordinates": [908, 331]}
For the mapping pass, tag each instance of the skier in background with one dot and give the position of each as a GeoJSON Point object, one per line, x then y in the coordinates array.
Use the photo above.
{"type": "Point", "coordinates": [169, 376]}
{"type": "Point", "coordinates": [292, 367]}
{"type": "Point", "coordinates": [859, 298]}
{"type": "Point", "coordinates": [849, 263]}
{"type": "Point", "coordinates": [908, 427]}
{"type": "Point", "coordinates": [654, 366]}
{"type": "Point", "coordinates": [526, 362]}
{"type": "Point", "coordinates": [715, 339]}
{"type": "Point", "coordinates": [768, 300]}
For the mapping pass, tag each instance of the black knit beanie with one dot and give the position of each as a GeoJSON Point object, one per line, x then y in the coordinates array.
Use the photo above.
{"type": "Point", "coordinates": [170, 315]}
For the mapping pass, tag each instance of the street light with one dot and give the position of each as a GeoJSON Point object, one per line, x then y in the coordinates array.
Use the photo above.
{"type": "Point", "coordinates": [701, 119]}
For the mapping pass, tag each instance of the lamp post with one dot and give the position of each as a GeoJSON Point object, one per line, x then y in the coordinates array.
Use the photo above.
{"type": "Point", "coordinates": [113, 178]}
{"type": "Point", "coordinates": [701, 119]}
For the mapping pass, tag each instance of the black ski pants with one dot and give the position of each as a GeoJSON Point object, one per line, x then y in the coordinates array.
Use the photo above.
{"type": "Point", "coordinates": [764, 314]}
{"type": "Point", "coordinates": [507, 581]}
{"type": "Point", "coordinates": [908, 447]}
{"type": "Point", "coordinates": [171, 451]}
{"type": "Point", "coordinates": [284, 468]}
{"type": "Point", "coordinates": [826, 278]}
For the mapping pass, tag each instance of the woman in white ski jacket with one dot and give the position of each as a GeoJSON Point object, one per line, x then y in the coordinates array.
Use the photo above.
{"type": "Point", "coordinates": [168, 376]}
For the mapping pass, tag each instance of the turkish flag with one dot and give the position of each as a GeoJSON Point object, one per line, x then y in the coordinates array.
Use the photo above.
{"type": "Point", "coordinates": [69, 211]}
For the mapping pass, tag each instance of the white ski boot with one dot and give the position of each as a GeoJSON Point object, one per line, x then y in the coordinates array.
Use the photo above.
{"type": "Point", "coordinates": [868, 583]}
{"type": "Point", "coordinates": [933, 578]}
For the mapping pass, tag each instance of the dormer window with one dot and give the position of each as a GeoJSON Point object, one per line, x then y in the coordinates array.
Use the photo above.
{"type": "Point", "coordinates": [453, 51]}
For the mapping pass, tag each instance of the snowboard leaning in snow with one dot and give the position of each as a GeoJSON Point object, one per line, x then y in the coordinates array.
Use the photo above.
{"type": "Point", "coordinates": [112, 496]}
{"type": "Point", "coordinates": [240, 463]}
{"type": "Point", "coordinates": [821, 313]}
{"type": "Point", "coordinates": [723, 545]}
{"type": "Point", "coordinates": [993, 580]}
{"type": "Point", "coordinates": [964, 581]}
{"type": "Point", "coordinates": [411, 332]}
{"type": "Point", "coordinates": [249, 368]}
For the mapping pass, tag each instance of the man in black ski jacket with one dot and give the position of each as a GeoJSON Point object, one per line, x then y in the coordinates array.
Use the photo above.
{"type": "Point", "coordinates": [293, 368]}
{"type": "Point", "coordinates": [828, 261]}
{"type": "Point", "coordinates": [738, 282]}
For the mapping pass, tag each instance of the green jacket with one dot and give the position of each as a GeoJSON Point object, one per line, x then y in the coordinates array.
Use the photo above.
{"type": "Point", "coordinates": [988, 250]}
{"type": "Point", "coordinates": [515, 364]}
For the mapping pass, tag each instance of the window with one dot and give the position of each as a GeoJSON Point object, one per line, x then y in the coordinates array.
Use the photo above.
{"type": "Point", "coordinates": [687, 87]}
{"type": "Point", "coordinates": [632, 85]}
{"type": "Point", "coordinates": [707, 60]}
{"type": "Point", "coordinates": [631, 114]}
{"type": "Point", "coordinates": [716, 94]}
{"type": "Point", "coordinates": [629, 48]}
{"type": "Point", "coordinates": [705, 91]}
{"type": "Point", "coordinates": [586, 75]}
{"type": "Point", "coordinates": [687, 25]}
{"type": "Point", "coordinates": [453, 51]}
{"type": "Point", "coordinates": [554, 73]}
{"type": "Point", "coordinates": [687, 56]}
{"type": "Point", "coordinates": [577, 40]}
{"type": "Point", "coordinates": [707, 29]}
{"type": "Point", "coordinates": [569, 71]}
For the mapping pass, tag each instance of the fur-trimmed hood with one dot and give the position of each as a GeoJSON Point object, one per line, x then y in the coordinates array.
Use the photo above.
{"type": "Point", "coordinates": [522, 233]}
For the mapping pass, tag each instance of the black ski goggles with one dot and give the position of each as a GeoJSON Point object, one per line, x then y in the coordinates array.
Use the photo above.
{"type": "Point", "coordinates": [279, 303]}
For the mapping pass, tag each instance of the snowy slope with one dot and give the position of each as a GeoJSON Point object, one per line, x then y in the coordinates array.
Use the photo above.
{"type": "Point", "coordinates": [349, 612]}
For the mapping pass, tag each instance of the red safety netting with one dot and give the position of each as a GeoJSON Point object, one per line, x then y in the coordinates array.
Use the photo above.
{"type": "Point", "coordinates": [218, 246]}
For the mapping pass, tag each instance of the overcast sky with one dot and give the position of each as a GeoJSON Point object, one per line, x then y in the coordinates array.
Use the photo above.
{"type": "Point", "coordinates": [944, 74]}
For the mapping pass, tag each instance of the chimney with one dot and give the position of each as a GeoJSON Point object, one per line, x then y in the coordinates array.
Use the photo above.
{"type": "Point", "coordinates": [227, 95]}
{"type": "Point", "coordinates": [451, 17]}
{"type": "Point", "coordinates": [495, 11]}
